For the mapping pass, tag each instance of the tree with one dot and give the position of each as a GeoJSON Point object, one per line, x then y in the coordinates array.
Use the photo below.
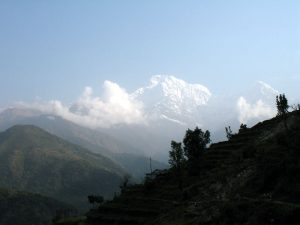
{"type": "Point", "coordinates": [124, 183]}
{"type": "Point", "coordinates": [95, 199]}
{"type": "Point", "coordinates": [176, 157]}
{"type": "Point", "coordinates": [296, 107]}
{"type": "Point", "coordinates": [228, 132]}
{"type": "Point", "coordinates": [195, 142]}
{"type": "Point", "coordinates": [176, 160]}
{"type": "Point", "coordinates": [243, 128]}
{"type": "Point", "coordinates": [281, 104]}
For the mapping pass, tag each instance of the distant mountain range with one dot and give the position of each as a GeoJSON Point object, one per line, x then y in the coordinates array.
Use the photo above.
{"type": "Point", "coordinates": [55, 152]}
{"type": "Point", "coordinates": [253, 178]}
{"type": "Point", "coordinates": [103, 142]}
{"type": "Point", "coordinates": [172, 105]}
{"type": "Point", "coordinates": [34, 160]}
{"type": "Point", "coordinates": [168, 106]}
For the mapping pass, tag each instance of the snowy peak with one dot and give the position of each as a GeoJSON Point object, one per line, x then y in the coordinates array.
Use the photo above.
{"type": "Point", "coordinates": [261, 91]}
{"type": "Point", "coordinates": [170, 95]}
{"type": "Point", "coordinates": [266, 89]}
{"type": "Point", "coordinates": [177, 90]}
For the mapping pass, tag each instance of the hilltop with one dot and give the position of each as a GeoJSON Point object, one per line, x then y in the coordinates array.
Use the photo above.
{"type": "Point", "coordinates": [33, 160]}
{"type": "Point", "coordinates": [254, 178]}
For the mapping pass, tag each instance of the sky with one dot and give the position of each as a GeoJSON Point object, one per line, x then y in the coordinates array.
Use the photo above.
{"type": "Point", "coordinates": [54, 49]}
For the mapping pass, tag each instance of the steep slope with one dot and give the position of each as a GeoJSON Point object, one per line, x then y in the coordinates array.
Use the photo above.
{"type": "Point", "coordinates": [252, 179]}
{"type": "Point", "coordinates": [36, 161]}
{"type": "Point", "coordinates": [22, 208]}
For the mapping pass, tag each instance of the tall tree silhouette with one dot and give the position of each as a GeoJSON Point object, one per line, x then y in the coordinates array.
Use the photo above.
{"type": "Point", "coordinates": [229, 133]}
{"type": "Point", "coordinates": [176, 160]}
{"type": "Point", "coordinates": [281, 104]}
{"type": "Point", "coordinates": [282, 108]}
{"type": "Point", "coordinates": [195, 142]}
{"type": "Point", "coordinates": [176, 157]}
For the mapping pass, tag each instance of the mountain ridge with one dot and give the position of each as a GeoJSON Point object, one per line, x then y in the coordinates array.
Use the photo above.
{"type": "Point", "coordinates": [253, 178]}
{"type": "Point", "coordinates": [33, 160]}
{"type": "Point", "coordinates": [97, 141]}
{"type": "Point", "coordinates": [166, 102]}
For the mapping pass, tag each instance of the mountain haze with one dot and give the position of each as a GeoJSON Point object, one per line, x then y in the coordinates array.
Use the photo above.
{"type": "Point", "coordinates": [253, 178]}
{"type": "Point", "coordinates": [110, 144]}
{"type": "Point", "coordinates": [143, 122]}
{"type": "Point", "coordinates": [36, 161]}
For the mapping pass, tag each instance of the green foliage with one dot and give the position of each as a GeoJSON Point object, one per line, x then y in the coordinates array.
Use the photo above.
{"type": "Point", "coordinates": [36, 161]}
{"type": "Point", "coordinates": [176, 157]}
{"type": "Point", "coordinates": [195, 142]}
{"type": "Point", "coordinates": [281, 104]}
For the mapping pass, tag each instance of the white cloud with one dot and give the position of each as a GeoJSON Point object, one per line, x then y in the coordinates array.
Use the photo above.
{"type": "Point", "coordinates": [114, 107]}
{"type": "Point", "coordinates": [258, 111]}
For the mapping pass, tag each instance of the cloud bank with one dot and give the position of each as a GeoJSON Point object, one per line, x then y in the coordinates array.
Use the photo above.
{"type": "Point", "coordinates": [258, 111]}
{"type": "Point", "coordinates": [115, 106]}
{"type": "Point", "coordinates": [166, 96]}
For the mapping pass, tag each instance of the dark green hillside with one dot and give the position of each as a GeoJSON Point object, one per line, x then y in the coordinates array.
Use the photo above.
{"type": "Point", "coordinates": [123, 153]}
{"type": "Point", "coordinates": [92, 139]}
{"type": "Point", "coordinates": [36, 161]}
{"type": "Point", "coordinates": [252, 179]}
{"type": "Point", "coordinates": [21, 208]}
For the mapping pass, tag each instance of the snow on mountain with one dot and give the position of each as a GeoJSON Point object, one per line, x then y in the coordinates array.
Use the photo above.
{"type": "Point", "coordinates": [257, 104]}
{"type": "Point", "coordinates": [159, 112]}
{"type": "Point", "coordinates": [171, 98]}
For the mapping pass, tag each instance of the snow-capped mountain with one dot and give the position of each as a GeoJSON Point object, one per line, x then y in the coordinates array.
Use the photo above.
{"type": "Point", "coordinates": [170, 98]}
{"type": "Point", "coordinates": [256, 104]}
{"type": "Point", "coordinates": [261, 91]}
{"type": "Point", "coordinates": [152, 116]}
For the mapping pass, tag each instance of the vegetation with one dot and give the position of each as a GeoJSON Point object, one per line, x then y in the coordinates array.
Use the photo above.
{"type": "Point", "coordinates": [195, 142]}
{"type": "Point", "coordinates": [243, 127]}
{"type": "Point", "coordinates": [125, 182]}
{"type": "Point", "coordinates": [177, 160]}
{"type": "Point", "coordinates": [176, 157]}
{"type": "Point", "coordinates": [252, 179]}
{"type": "Point", "coordinates": [93, 199]}
{"type": "Point", "coordinates": [22, 208]}
{"type": "Point", "coordinates": [229, 133]}
{"type": "Point", "coordinates": [282, 105]}
{"type": "Point", "coordinates": [35, 161]}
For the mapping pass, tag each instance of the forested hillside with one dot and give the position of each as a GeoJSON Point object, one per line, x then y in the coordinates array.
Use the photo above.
{"type": "Point", "coordinates": [253, 178]}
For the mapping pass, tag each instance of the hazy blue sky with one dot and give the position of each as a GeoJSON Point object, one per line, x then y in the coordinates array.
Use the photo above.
{"type": "Point", "coordinates": [53, 49]}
